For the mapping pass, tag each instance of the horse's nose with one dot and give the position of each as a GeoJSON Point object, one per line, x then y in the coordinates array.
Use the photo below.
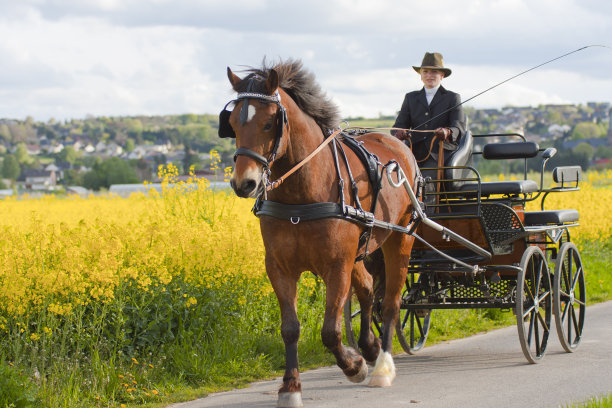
{"type": "Point", "coordinates": [244, 189]}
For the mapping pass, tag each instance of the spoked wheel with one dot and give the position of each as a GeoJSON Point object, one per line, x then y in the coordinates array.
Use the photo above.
{"type": "Point", "coordinates": [352, 319]}
{"type": "Point", "coordinates": [533, 304]}
{"type": "Point", "coordinates": [569, 294]}
{"type": "Point", "coordinates": [413, 324]}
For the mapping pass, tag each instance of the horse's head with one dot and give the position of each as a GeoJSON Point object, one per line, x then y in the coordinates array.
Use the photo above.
{"type": "Point", "coordinates": [258, 122]}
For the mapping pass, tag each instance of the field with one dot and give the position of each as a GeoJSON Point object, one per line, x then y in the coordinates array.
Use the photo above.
{"type": "Point", "coordinates": [111, 302]}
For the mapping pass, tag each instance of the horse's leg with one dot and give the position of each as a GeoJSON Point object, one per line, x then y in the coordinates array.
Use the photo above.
{"type": "Point", "coordinates": [338, 284]}
{"type": "Point", "coordinates": [285, 288]}
{"type": "Point", "coordinates": [397, 255]}
{"type": "Point", "coordinates": [362, 283]}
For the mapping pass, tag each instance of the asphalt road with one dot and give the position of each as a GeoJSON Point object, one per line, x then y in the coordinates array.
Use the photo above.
{"type": "Point", "coordinates": [487, 370]}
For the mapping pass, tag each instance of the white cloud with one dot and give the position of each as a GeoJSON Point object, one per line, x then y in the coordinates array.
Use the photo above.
{"type": "Point", "coordinates": [68, 58]}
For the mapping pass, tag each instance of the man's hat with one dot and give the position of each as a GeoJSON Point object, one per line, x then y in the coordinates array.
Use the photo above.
{"type": "Point", "coordinates": [433, 60]}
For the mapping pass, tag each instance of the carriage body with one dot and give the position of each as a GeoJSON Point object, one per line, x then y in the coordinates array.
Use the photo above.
{"type": "Point", "coordinates": [534, 269]}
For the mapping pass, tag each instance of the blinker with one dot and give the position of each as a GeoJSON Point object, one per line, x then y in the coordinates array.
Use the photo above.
{"type": "Point", "coordinates": [225, 129]}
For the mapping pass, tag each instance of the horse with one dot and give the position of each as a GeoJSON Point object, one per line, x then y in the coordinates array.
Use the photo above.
{"type": "Point", "coordinates": [281, 117]}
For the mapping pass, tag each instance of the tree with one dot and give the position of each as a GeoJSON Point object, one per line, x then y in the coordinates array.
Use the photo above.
{"type": "Point", "coordinates": [588, 130]}
{"type": "Point", "coordinates": [584, 149]}
{"type": "Point", "coordinates": [5, 132]}
{"type": "Point", "coordinates": [68, 154]}
{"type": "Point", "coordinates": [10, 167]}
{"type": "Point", "coordinates": [191, 159]}
{"type": "Point", "coordinates": [129, 145]}
{"type": "Point", "coordinates": [108, 172]}
{"type": "Point", "coordinates": [21, 154]}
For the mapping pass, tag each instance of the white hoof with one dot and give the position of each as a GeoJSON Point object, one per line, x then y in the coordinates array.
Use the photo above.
{"type": "Point", "coordinates": [384, 371]}
{"type": "Point", "coordinates": [380, 381]}
{"type": "Point", "coordinates": [289, 400]}
{"type": "Point", "coordinates": [361, 375]}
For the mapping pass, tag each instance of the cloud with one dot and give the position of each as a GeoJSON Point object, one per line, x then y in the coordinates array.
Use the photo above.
{"type": "Point", "coordinates": [67, 58]}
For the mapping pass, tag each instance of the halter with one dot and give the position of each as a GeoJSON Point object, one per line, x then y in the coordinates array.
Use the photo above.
{"type": "Point", "coordinates": [226, 130]}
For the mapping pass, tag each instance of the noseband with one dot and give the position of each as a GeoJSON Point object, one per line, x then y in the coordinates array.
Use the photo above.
{"type": "Point", "coordinates": [226, 130]}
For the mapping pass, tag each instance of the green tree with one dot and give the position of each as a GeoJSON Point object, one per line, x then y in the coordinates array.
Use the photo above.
{"type": "Point", "coordinates": [10, 167]}
{"type": "Point", "coordinates": [588, 130]}
{"type": "Point", "coordinates": [68, 154]}
{"type": "Point", "coordinates": [5, 132]}
{"type": "Point", "coordinates": [191, 159]}
{"type": "Point", "coordinates": [584, 149]}
{"type": "Point", "coordinates": [129, 145]}
{"type": "Point", "coordinates": [108, 172]}
{"type": "Point", "coordinates": [21, 154]}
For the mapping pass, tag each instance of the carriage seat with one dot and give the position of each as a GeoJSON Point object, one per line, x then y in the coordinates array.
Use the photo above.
{"type": "Point", "coordinates": [460, 157]}
{"type": "Point", "coordinates": [500, 187]}
{"type": "Point", "coordinates": [505, 151]}
{"type": "Point", "coordinates": [551, 217]}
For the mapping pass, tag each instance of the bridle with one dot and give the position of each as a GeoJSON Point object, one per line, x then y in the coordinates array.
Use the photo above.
{"type": "Point", "coordinates": [226, 131]}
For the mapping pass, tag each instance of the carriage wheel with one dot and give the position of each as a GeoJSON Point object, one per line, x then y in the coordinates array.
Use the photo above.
{"type": "Point", "coordinates": [533, 304]}
{"type": "Point", "coordinates": [352, 319]}
{"type": "Point", "coordinates": [413, 325]}
{"type": "Point", "coordinates": [569, 296]}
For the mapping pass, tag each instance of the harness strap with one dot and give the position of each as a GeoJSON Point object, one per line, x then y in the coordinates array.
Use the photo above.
{"type": "Point", "coordinates": [295, 168]}
{"type": "Point", "coordinates": [298, 212]}
{"type": "Point", "coordinates": [354, 188]}
{"type": "Point", "coordinates": [253, 155]}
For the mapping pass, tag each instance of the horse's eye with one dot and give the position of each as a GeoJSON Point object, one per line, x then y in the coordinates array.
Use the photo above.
{"type": "Point", "coordinates": [268, 126]}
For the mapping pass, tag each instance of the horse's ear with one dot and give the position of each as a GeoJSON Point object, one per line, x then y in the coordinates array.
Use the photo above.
{"type": "Point", "coordinates": [272, 82]}
{"type": "Point", "coordinates": [233, 78]}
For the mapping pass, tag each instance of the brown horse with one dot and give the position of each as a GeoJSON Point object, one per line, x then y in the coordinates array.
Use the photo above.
{"type": "Point", "coordinates": [281, 116]}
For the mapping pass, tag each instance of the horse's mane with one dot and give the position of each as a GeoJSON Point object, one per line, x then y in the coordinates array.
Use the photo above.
{"type": "Point", "coordinates": [301, 85]}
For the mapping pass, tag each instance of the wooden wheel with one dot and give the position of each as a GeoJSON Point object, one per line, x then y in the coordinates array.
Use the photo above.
{"type": "Point", "coordinates": [413, 324]}
{"type": "Point", "coordinates": [533, 304]}
{"type": "Point", "coordinates": [569, 295]}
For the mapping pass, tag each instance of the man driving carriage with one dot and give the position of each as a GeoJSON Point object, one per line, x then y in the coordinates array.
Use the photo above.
{"type": "Point", "coordinates": [431, 108]}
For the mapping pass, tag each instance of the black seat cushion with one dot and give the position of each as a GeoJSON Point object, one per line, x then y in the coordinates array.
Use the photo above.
{"type": "Point", "coordinates": [551, 217]}
{"type": "Point", "coordinates": [501, 187]}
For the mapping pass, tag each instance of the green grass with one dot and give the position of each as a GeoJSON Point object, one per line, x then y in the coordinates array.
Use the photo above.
{"type": "Point", "coordinates": [148, 349]}
{"type": "Point", "coordinates": [604, 401]}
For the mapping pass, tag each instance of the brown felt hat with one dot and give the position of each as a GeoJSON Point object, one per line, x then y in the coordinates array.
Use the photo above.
{"type": "Point", "coordinates": [433, 60]}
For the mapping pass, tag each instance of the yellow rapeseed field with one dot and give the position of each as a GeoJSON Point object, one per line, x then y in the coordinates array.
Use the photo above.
{"type": "Point", "coordinates": [593, 201]}
{"type": "Point", "coordinates": [60, 252]}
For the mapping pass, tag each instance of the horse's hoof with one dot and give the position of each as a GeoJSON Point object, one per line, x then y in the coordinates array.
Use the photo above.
{"type": "Point", "coordinates": [361, 375]}
{"type": "Point", "coordinates": [380, 381]}
{"type": "Point", "coordinates": [384, 371]}
{"type": "Point", "coordinates": [289, 400]}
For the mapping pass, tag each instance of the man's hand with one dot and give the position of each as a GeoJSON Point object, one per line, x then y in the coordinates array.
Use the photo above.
{"type": "Point", "coordinates": [400, 134]}
{"type": "Point", "coordinates": [443, 133]}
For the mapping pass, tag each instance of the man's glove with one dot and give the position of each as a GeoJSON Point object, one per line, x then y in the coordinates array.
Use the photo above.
{"type": "Point", "coordinates": [400, 134]}
{"type": "Point", "coordinates": [444, 134]}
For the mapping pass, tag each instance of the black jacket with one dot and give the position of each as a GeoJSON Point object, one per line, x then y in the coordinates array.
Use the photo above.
{"type": "Point", "coordinates": [415, 112]}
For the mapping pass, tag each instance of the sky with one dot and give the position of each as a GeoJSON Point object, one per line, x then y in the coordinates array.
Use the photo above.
{"type": "Point", "coordinates": [69, 59]}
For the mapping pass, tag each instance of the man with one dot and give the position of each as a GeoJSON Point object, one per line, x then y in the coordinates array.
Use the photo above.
{"type": "Point", "coordinates": [431, 108]}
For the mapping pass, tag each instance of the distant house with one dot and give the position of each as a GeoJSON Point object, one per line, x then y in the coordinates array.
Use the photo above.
{"type": "Point", "coordinates": [39, 179]}
{"type": "Point", "coordinates": [33, 149]}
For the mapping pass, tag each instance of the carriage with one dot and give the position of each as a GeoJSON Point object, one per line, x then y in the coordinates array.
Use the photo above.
{"type": "Point", "coordinates": [505, 258]}
{"type": "Point", "coordinates": [356, 212]}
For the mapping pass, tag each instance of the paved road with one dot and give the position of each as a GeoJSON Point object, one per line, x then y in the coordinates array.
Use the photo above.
{"type": "Point", "coordinates": [486, 370]}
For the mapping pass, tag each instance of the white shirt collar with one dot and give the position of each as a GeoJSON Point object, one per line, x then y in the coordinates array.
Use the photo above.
{"type": "Point", "coordinates": [429, 93]}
